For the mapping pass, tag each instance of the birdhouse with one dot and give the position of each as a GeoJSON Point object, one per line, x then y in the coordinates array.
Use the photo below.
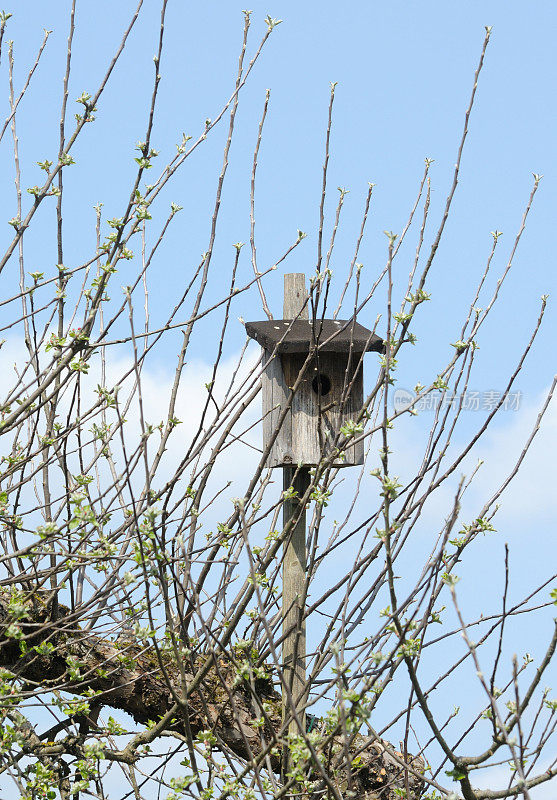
{"type": "Point", "coordinates": [322, 361]}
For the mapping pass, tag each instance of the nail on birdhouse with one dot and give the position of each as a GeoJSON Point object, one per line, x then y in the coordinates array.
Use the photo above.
{"type": "Point", "coordinates": [329, 392]}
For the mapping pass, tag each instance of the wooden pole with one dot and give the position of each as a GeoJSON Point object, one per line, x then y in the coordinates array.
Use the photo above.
{"type": "Point", "coordinates": [294, 563]}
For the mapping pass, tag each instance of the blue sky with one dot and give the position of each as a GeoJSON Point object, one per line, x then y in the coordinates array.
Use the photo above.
{"type": "Point", "coordinates": [404, 73]}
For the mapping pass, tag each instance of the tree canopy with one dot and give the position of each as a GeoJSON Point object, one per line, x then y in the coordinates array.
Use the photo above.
{"type": "Point", "coordinates": [144, 530]}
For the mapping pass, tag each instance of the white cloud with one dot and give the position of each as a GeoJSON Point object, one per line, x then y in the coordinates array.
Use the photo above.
{"type": "Point", "coordinates": [235, 464]}
{"type": "Point", "coordinates": [237, 461]}
{"type": "Point", "coordinates": [532, 491]}
{"type": "Point", "coordinates": [530, 496]}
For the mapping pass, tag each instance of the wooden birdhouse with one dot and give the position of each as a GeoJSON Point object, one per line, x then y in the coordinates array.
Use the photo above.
{"type": "Point", "coordinates": [322, 362]}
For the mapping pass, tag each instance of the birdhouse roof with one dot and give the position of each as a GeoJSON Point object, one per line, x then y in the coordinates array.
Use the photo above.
{"type": "Point", "coordinates": [297, 336]}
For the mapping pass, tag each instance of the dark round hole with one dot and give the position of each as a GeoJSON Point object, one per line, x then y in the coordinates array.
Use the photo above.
{"type": "Point", "coordinates": [321, 384]}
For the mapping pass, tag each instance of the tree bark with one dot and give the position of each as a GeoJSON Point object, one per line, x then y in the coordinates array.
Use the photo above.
{"type": "Point", "coordinates": [146, 684]}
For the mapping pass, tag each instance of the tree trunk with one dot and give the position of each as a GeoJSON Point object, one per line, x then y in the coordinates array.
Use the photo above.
{"type": "Point", "coordinates": [146, 684]}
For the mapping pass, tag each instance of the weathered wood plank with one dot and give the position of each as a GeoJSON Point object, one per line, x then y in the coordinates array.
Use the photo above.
{"type": "Point", "coordinates": [275, 395]}
{"type": "Point", "coordinates": [295, 295]}
{"type": "Point", "coordinates": [294, 564]}
{"type": "Point", "coordinates": [295, 335]}
{"type": "Point", "coordinates": [307, 436]}
{"type": "Point", "coordinates": [293, 579]}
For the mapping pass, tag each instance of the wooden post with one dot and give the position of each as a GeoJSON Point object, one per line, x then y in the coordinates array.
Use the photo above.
{"type": "Point", "coordinates": [294, 564]}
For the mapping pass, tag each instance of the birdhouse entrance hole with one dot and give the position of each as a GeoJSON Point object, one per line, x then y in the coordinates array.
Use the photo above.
{"type": "Point", "coordinates": [321, 384]}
